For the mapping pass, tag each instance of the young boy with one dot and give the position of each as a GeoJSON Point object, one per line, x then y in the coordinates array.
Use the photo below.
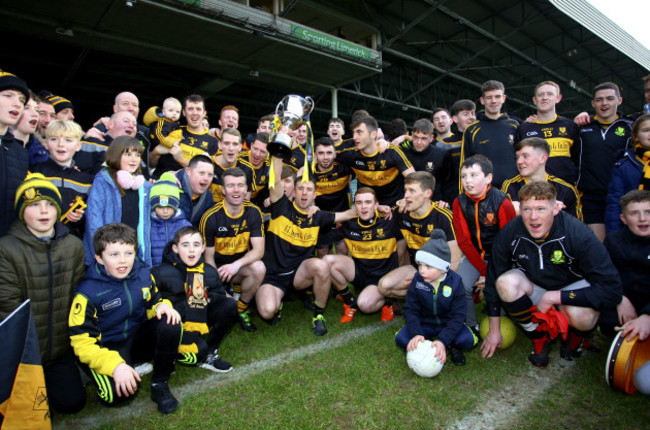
{"type": "Point", "coordinates": [435, 304]}
{"type": "Point", "coordinates": [196, 292]}
{"type": "Point", "coordinates": [118, 318]}
{"type": "Point", "coordinates": [14, 158]}
{"type": "Point", "coordinates": [62, 141]}
{"type": "Point", "coordinates": [40, 261]}
{"type": "Point", "coordinates": [478, 215]}
{"type": "Point", "coordinates": [629, 249]}
{"type": "Point", "coordinates": [532, 160]}
{"type": "Point", "coordinates": [166, 216]}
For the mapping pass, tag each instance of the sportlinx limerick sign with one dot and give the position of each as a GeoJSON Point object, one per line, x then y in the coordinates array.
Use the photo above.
{"type": "Point", "coordinates": [329, 42]}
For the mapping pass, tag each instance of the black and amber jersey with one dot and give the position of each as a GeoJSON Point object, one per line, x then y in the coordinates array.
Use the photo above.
{"type": "Point", "coordinates": [230, 234]}
{"type": "Point", "coordinates": [191, 144]}
{"type": "Point", "coordinates": [453, 144]}
{"type": "Point", "coordinates": [566, 193]}
{"type": "Point", "coordinates": [297, 159]}
{"type": "Point", "coordinates": [215, 188]}
{"type": "Point", "coordinates": [344, 144]}
{"type": "Point", "coordinates": [260, 175]}
{"type": "Point", "coordinates": [562, 136]}
{"type": "Point", "coordinates": [417, 230]}
{"type": "Point", "coordinates": [380, 171]}
{"type": "Point", "coordinates": [332, 188]}
{"type": "Point", "coordinates": [291, 236]}
{"type": "Point", "coordinates": [373, 245]}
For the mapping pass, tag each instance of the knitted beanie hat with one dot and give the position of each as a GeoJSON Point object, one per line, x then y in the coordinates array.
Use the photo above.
{"type": "Point", "coordinates": [35, 188]}
{"type": "Point", "coordinates": [58, 102]}
{"type": "Point", "coordinates": [165, 192]}
{"type": "Point", "coordinates": [435, 252]}
{"type": "Point", "coordinates": [13, 82]}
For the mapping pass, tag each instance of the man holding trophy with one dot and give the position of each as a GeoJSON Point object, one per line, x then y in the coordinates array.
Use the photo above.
{"type": "Point", "coordinates": [292, 233]}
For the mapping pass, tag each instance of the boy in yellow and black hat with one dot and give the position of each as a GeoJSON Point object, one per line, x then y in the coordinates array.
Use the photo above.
{"type": "Point", "coordinates": [41, 261]}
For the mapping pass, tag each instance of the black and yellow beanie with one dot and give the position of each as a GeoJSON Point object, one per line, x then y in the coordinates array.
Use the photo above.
{"type": "Point", "coordinates": [13, 82]}
{"type": "Point", "coordinates": [58, 102]}
{"type": "Point", "coordinates": [35, 188]}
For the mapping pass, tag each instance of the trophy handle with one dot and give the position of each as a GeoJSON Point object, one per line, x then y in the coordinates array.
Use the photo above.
{"type": "Point", "coordinates": [280, 107]}
{"type": "Point", "coordinates": [311, 103]}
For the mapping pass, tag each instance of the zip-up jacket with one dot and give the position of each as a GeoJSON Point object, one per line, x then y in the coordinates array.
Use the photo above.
{"type": "Point", "coordinates": [162, 232]}
{"type": "Point", "coordinates": [569, 253]}
{"type": "Point", "coordinates": [443, 306]}
{"type": "Point", "coordinates": [626, 176]}
{"type": "Point", "coordinates": [477, 222]}
{"type": "Point", "coordinates": [14, 162]}
{"type": "Point", "coordinates": [47, 273]}
{"type": "Point", "coordinates": [599, 150]}
{"type": "Point", "coordinates": [171, 277]}
{"type": "Point", "coordinates": [109, 310]}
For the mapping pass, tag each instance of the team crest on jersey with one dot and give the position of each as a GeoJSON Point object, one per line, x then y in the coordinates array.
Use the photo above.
{"type": "Point", "coordinates": [293, 161]}
{"type": "Point", "coordinates": [204, 145]}
{"type": "Point", "coordinates": [429, 229]}
{"type": "Point", "coordinates": [620, 131]}
{"type": "Point", "coordinates": [371, 165]}
{"type": "Point", "coordinates": [380, 233]}
{"type": "Point", "coordinates": [558, 257]}
{"type": "Point", "coordinates": [563, 131]}
{"type": "Point", "coordinates": [446, 291]}
{"type": "Point", "coordinates": [382, 164]}
{"type": "Point", "coordinates": [429, 165]}
{"type": "Point", "coordinates": [490, 219]}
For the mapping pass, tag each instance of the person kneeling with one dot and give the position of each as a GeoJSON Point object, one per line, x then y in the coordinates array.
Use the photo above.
{"type": "Point", "coordinates": [196, 292]}
{"type": "Point", "coordinates": [118, 318]}
{"type": "Point", "coordinates": [435, 304]}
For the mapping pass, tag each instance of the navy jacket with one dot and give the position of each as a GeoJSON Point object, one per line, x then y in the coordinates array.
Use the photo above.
{"type": "Point", "coordinates": [445, 307]}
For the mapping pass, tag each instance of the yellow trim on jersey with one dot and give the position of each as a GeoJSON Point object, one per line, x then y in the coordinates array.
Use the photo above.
{"type": "Point", "coordinates": [371, 250]}
{"type": "Point", "coordinates": [376, 178]}
{"type": "Point", "coordinates": [232, 245]}
{"type": "Point", "coordinates": [560, 146]}
{"type": "Point", "coordinates": [283, 228]}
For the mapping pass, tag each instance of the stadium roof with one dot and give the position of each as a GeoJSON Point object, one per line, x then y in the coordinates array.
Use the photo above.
{"type": "Point", "coordinates": [393, 58]}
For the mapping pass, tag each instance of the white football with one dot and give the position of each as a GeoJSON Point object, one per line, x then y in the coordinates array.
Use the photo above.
{"type": "Point", "coordinates": [422, 360]}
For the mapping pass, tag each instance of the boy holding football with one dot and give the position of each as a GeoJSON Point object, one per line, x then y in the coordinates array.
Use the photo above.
{"type": "Point", "coordinates": [435, 304]}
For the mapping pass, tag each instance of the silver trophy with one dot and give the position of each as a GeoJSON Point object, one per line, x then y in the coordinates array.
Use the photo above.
{"type": "Point", "coordinates": [291, 111]}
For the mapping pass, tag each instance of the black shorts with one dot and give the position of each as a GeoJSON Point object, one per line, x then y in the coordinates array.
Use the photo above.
{"type": "Point", "coordinates": [283, 281]}
{"type": "Point", "coordinates": [328, 235]}
{"type": "Point", "coordinates": [593, 208]}
{"type": "Point", "coordinates": [362, 280]}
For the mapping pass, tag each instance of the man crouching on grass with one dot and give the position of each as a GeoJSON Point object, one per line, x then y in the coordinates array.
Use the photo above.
{"type": "Point", "coordinates": [551, 260]}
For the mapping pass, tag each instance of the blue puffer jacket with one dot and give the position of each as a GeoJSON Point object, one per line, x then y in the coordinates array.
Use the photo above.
{"type": "Point", "coordinates": [626, 176]}
{"type": "Point", "coordinates": [105, 207]}
{"type": "Point", "coordinates": [162, 231]}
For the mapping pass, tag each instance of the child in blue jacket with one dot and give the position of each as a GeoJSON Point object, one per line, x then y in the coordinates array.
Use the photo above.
{"type": "Point", "coordinates": [166, 217]}
{"type": "Point", "coordinates": [435, 304]}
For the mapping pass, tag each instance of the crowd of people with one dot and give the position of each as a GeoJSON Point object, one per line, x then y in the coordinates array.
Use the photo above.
{"type": "Point", "coordinates": [141, 243]}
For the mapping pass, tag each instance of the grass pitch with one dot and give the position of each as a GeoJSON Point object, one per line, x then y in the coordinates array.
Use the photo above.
{"type": "Point", "coordinates": [356, 377]}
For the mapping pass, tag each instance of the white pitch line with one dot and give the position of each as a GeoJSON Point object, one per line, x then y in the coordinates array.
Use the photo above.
{"type": "Point", "coordinates": [145, 405]}
{"type": "Point", "coordinates": [504, 407]}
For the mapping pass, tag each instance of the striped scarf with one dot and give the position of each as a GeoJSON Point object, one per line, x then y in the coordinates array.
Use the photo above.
{"type": "Point", "coordinates": [643, 154]}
